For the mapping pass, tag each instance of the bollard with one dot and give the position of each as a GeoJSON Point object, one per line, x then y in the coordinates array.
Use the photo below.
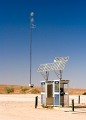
{"type": "Point", "coordinates": [79, 99]}
{"type": "Point", "coordinates": [36, 101]}
{"type": "Point", "coordinates": [72, 104]}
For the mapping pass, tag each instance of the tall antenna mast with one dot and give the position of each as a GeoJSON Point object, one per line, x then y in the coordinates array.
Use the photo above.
{"type": "Point", "coordinates": [31, 27]}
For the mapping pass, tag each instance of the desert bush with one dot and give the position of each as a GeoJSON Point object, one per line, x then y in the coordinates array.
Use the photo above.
{"type": "Point", "coordinates": [34, 90]}
{"type": "Point", "coordinates": [24, 89]}
{"type": "Point", "coordinates": [84, 93]}
{"type": "Point", "coordinates": [9, 90]}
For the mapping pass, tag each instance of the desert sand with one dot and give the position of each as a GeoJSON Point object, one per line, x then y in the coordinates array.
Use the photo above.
{"type": "Point", "coordinates": [21, 107]}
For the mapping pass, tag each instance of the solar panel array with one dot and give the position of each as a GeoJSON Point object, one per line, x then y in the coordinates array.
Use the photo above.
{"type": "Point", "coordinates": [58, 64]}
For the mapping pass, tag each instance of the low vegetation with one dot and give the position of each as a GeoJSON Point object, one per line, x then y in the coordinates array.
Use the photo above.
{"type": "Point", "coordinates": [9, 90]}
{"type": "Point", "coordinates": [34, 90]}
{"type": "Point", "coordinates": [16, 89]}
{"type": "Point", "coordinates": [84, 93]}
{"type": "Point", "coordinates": [23, 89]}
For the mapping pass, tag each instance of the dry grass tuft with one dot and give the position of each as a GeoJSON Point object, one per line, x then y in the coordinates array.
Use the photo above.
{"type": "Point", "coordinates": [16, 89]}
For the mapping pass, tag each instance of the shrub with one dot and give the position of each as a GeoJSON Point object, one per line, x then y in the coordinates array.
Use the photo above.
{"type": "Point", "coordinates": [23, 89]}
{"type": "Point", "coordinates": [9, 90]}
{"type": "Point", "coordinates": [84, 93]}
{"type": "Point", "coordinates": [35, 91]}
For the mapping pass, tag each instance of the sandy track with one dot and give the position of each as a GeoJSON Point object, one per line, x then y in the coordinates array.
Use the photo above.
{"type": "Point", "coordinates": [21, 107]}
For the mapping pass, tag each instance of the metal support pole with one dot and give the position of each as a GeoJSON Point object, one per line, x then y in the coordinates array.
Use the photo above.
{"type": "Point", "coordinates": [59, 92]}
{"type": "Point", "coordinates": [59, 85]}
{"type": "Point", "coordinates": [31, 27]}
{"type": "Point", "coordinates": [72, 104]}
{"type": "Point", "coordinates": [36, 101]}
{"type": "Point", "coordinates": [68, 95]}
{"type": "Point", "coordinates": [46, 75]}
{"type": "Point", "coordinates": [30, 51]}
{"type": "Point", "coordinates": [79, 99]}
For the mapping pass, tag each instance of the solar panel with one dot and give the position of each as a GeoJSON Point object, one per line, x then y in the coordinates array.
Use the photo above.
{"type": "Point", "coordinates": [45, 67]}
{"type": "Point", "coordinates": [58, 64]}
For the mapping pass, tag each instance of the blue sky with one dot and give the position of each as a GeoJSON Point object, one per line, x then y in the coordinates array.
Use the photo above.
{"type": "Point", "coordinates": [60, 31]}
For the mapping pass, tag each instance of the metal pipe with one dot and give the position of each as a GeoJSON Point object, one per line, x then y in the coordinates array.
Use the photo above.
{"type": "Point", "coordinates": [30, 50]}
{"type": "Point", "coordinates": [31, 27]}
{"type": "Point", "coordinates": [79, 99]}
{"type": "Point", "coordinates": [59, 84]}
{"type": "Point", "coordinates": [72, 104]}
{"type": "Point", "coordinates": [36, 101]}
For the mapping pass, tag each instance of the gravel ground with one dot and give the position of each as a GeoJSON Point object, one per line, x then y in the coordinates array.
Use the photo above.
{"type": "Point", "coordinates": [21, 107]}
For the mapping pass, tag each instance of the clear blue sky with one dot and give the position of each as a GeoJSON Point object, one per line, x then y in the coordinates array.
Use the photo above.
{"type": "Point", "coordinates": [60, 31]}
